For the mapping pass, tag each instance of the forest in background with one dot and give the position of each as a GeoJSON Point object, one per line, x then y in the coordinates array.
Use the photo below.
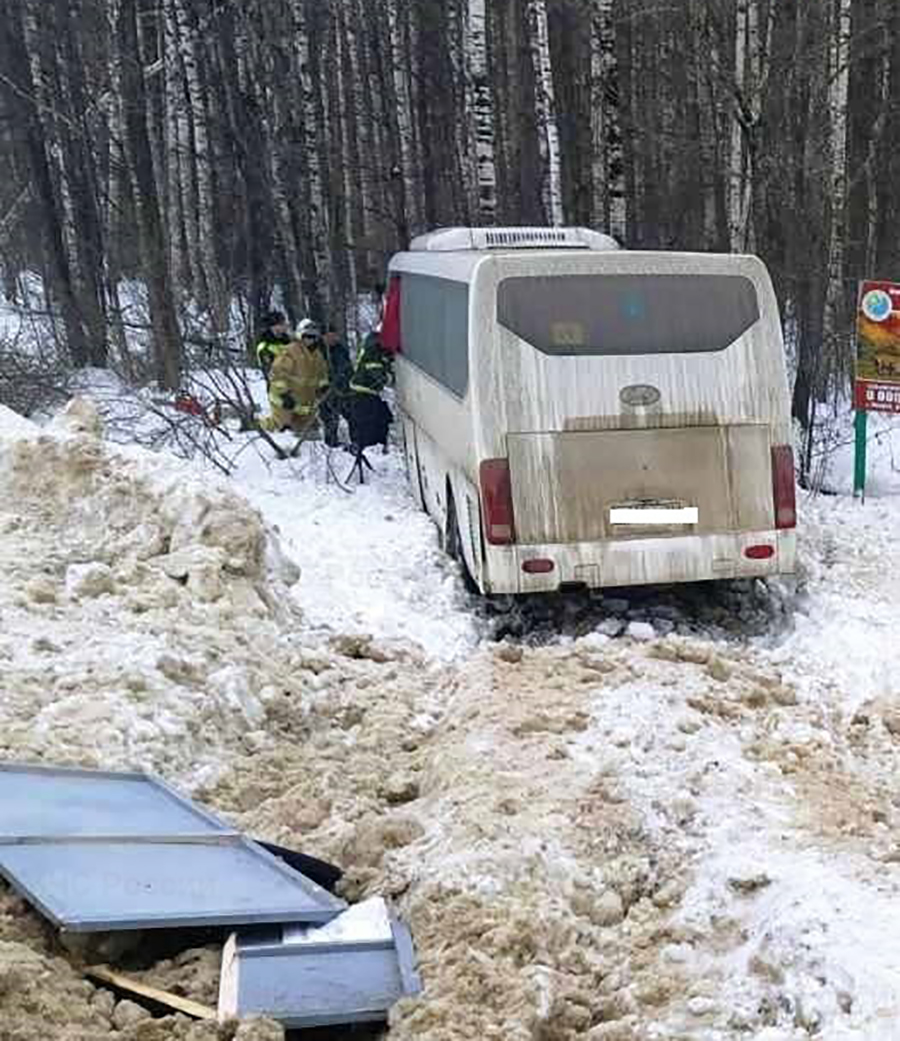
{"type": "Point", "coordinates": [225, 154]}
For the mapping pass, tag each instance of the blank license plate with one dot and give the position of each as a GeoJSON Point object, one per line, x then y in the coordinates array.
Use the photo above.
{"type": "Point", "coordinates": [644, 516]}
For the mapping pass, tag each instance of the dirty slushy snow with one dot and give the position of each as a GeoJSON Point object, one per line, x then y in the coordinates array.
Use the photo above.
{"type": "Point", "coordinates": [636, 833]}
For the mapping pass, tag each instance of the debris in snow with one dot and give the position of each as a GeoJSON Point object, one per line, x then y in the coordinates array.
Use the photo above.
{"type": "Point", "coordinates": [360, 647]}
{"type": "Point", "coordinates": [890, 716]}
{"type": "Point", "coordinates": [401, 788]}
{"type": "Point", "coordinates": [641, 631]}
{"type": "Point", "coordinates": [750, 884]}
{"type": "Point", "coordinates": [79, 417]}
{"type": "Point", "coordinates": [41, 590]}
{"type": "Point", "coordinates": [608, 910]}
{"type": "Point", "coordinates": [128, 1013]}
{"type": "Point", "coordinates": [511, 653]}
{"type": "Point", "coordinates": [719, 669]}
{"type": "Point", "coordinates": [89, 580]}
{"type": "Point", "coordinates": [611, 627]}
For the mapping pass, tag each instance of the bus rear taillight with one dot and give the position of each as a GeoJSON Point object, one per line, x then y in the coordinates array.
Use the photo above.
{"type": "Point", "coordinates": [496, 497]}
{"type": "Point", "coordinates": [784, 486]}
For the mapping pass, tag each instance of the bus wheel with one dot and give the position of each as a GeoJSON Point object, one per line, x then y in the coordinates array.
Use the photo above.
{"type": "Point", "coordinates": [453, 545]}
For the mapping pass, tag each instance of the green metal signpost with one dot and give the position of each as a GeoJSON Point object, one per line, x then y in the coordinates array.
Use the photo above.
{"type": "Point", "coordinates": [859, 467]}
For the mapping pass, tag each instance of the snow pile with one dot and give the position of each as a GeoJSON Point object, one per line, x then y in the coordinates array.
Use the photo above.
{"type": "Point", "coordinates": [147, 621]}
{"type": "Point", "coordinates": [143, 606]}
{"type": "Point", "coordinates": [366, 922]}
{"type": "Point", "coordinates": [43, 997]}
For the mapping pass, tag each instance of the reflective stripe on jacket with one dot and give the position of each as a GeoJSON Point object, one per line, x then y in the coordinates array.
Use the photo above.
{"type": "Point", "coordinates": [302, 373]}
{"type": "Point", "coordinates": [267, 350]}
{"type": "Point", "coordinates": [371, 373]}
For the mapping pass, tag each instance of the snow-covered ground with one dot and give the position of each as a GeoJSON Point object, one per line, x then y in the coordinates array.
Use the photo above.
{"type": "Point", "coordinates": [370, 560]}
{"type": "Point", "coordinates": [676, 820]}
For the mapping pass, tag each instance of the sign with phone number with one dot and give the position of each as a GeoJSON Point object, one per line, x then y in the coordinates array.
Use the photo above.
{"type": "Point", "coordinates": [877, 397]}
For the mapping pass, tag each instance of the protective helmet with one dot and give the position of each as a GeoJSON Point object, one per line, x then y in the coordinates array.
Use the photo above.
{"type": "Point", "coordinates": [308, 328]}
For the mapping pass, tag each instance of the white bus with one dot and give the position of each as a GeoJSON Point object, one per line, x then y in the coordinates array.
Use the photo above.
{"type": "Point", "coordinates": [577, 415]}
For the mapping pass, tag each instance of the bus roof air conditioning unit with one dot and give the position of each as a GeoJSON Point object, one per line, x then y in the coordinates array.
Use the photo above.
{"type": "Point", "coordinates": [448, 240]}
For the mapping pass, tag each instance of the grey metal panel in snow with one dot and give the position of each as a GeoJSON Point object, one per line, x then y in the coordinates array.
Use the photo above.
{"type": "Point", "coordinates": [56, 801]}
{"type": "Point", "coordinates": [110, 885]}
{"type": "Point", "coordinates": [153, 860]}
{"type": "Point", "coordinates": [318, 984]}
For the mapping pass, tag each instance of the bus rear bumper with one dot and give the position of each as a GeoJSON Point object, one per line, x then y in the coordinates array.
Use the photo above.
{"type": "Point", "coordinates": [643, 561]}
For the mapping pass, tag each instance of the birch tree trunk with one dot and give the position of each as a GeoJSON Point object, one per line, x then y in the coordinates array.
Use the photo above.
{"type": "Point", "coordinates": [551, 181]}
{"type": "Point", "coordinates": [340, 283]}
{"type": "Point", "coordinates": [209, 283]}
{"type": "Point", "coordinates": [438, 124]}
{"type": "Point", "coordinates": [480, 107]}
{"type": "Point", "coordinates": [626, 118]}
{"type": "Point", "coordinates": [167, 343]}
{"type": "Point", "coordinates": [116, 173]}
{"type": "Point", "coordinates": [836, 311]}
{"type": "Point", "coordinates": [44, 153]}
{"type": "Point", "coordinates": [320, 60]}
{"type": "Point", "coordinates": [464, 165]}
{"type": "Point", "coordinates": [400, 73]}
{"type": "Point", "coordinates": [177, 149]}
{"type": "Point", "coordinates": [516, 128]}
{"type": "Point", "coordinates": [78, 180]}
{"type": "Point", "coordinates": [348, 168]}
{"type": "Point", "coordinates": [887, 176]}
{"type": "Point", "coordinates": [245, 137]}
{"type": "Point", "coordinates": [395, 122]}
{"type": "Point", "coordinates": [358, 197]}
{"type": "Point", "coordinates": [738, 173]}
{"type": "Point", "coordinates": [605, 147]}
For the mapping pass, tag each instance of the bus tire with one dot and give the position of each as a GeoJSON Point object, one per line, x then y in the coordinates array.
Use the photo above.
{"type": "Point", "coordinates": [453, 544]}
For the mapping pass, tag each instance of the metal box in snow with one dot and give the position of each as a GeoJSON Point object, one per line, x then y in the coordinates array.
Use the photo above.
{"type": "Point", "coordinates": [319, 976]}
{"type": "Point", "coordinates": [100, 851]}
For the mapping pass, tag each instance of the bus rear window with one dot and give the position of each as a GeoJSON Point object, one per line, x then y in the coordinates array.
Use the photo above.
{"type": "Point", "coordinates": [627, 314]}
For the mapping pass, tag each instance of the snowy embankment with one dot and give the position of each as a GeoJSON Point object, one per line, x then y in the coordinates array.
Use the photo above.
{"type": "Point", "coordinates": [603, 838]}
{"type": "Point", "coordinates": [142, 605]}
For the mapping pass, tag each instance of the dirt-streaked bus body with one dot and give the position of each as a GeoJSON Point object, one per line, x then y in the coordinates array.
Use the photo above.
{"type": "Point", "coordinates": [579, 415]}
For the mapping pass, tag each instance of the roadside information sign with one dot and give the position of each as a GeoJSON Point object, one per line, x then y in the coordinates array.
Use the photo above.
{"type": "Point", "coordinates": [878, 347]}
{"type": "Point", "coordinates": [877, 383]}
